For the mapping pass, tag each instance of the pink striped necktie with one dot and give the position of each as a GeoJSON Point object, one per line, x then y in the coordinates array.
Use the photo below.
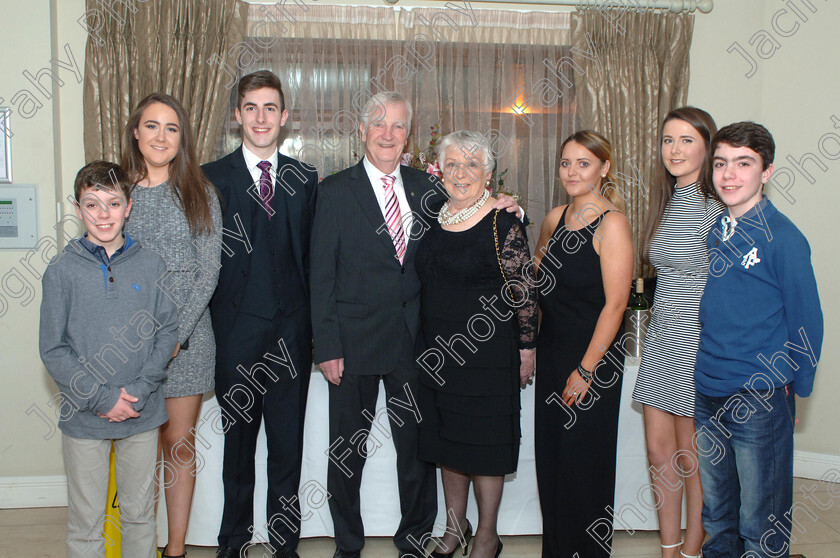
{"type": "Point", "coordinates": [265, 186]}
{"type": "Point", "coordinates": [393, 218]}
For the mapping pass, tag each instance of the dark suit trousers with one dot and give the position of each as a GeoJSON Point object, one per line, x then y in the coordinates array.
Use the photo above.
{"type": "Point", "coordinates": [417, 480]}
{"type": "Point", "coordinates": [263, 389]}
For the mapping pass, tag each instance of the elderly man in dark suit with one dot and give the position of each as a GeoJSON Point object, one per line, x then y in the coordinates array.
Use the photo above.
{"type": "Point", "coordinates": [261, 319]}
{"type": "Point", "coordinates": [365, 316]}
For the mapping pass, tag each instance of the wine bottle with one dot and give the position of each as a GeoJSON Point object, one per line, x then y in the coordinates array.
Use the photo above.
{"type": "Point", "coordinates": [635, 319]}
{"type": "Point", "coordinates": [637, 299]}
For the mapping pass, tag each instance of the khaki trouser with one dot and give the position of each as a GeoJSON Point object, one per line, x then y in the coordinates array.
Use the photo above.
{"type": "Point", "coordinates": [87, 465]}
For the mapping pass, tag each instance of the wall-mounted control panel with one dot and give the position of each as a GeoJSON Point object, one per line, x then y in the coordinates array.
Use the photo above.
{"type": "Point", "coordinates": [18, 216]}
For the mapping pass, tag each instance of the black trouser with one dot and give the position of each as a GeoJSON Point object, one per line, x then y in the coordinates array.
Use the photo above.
{"type": "Point", "coordinates": [575, 457]}
{"type": "Point", "coordinates": [417, 479]}
{"type": "Point", "coordinates": [250, 387]}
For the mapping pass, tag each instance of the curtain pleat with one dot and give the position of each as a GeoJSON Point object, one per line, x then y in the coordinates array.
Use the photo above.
{"type": "Point", "coordinates": [466, 78]}
{"type": "Point", "coordinates": [161, 47]}
{"type": "Point", "coordinates": [490, 71]}
{"type": "Point", "coordinates": [634, 74]}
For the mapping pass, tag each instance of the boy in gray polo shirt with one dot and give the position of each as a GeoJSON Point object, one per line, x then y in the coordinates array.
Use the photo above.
{"type": "Point", "coordinates": [107, 333]}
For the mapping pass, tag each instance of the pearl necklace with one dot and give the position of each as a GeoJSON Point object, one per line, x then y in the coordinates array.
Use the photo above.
{"type": "Point", "coordinates": [444, 218]}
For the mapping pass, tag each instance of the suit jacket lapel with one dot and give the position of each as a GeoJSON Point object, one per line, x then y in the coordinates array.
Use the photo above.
{"type": "Point", "coordinates": [414, 195]}
{"type": "Point", "coordinates": [294, 208]}
{"type": "Point", "coordinates": [240, 200]}
{"type": "Point", "coordinates": [363, 191]}
{"type": "Point", "coordinates": [417, 192]}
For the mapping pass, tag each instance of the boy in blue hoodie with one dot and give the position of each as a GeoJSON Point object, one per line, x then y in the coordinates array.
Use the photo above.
{"type": "Point", "coordinates": [106, 334]}
{"type": "Point", "coordinates": [761, 336]}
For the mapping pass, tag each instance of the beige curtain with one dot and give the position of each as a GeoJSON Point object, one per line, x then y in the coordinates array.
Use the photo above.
{"type": "Point", "coordinates": [527, 79]}
{"type": "Point", "coordinates": [498, 75]}
{"type": "Point", "coordinates": [162, 46]}
{"type": "Point", "coordinates": [634, 71]}
{"type": "Point", "coordinates": [483, 70]}
{"type": "Point", "coordinates": [324, 56]}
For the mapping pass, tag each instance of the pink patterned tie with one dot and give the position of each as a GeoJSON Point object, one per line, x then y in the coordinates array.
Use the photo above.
{"type": "Point", "coordinates": [393, 219]}
{"type": "Point", "coordinates": [265, 186]}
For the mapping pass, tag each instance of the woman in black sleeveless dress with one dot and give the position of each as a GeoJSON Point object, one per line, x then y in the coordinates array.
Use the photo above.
{"type": "Point", "coordinates": [476, 349]}
{"type": "Point", "coordinates": [586, 248]}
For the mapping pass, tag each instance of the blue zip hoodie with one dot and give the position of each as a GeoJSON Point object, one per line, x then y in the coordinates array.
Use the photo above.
{"type": "Point", "coordinates": [105, 325]}
{"type": "Point", "coordinates": [760, 312]}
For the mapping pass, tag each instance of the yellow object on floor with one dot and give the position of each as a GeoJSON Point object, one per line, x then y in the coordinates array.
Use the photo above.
{"type": "Point", "coordinates": [113, 529]}
{"type": "Point", "coordinates": [112, 533]}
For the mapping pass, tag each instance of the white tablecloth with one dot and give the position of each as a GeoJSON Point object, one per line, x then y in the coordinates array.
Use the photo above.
{"type": "Point", "coordinates": [519, 513]}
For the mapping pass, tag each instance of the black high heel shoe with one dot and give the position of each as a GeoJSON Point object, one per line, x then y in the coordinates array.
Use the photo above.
{"type": "Point", "coordinates": [499, 548]}
{"type": "Point", "coordinates": [165, 555]}
{"type": "Point", "coordinates": [465, 545]}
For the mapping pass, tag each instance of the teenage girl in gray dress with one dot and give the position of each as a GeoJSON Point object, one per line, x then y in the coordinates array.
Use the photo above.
{"type": "Point", "coordinates": [177, 214]}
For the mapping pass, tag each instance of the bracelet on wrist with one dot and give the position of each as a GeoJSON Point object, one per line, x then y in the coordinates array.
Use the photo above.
{"type": "Point", "coordinates": [584, 373]}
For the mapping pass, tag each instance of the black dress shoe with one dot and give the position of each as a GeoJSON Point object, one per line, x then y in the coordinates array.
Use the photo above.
{"type": "Point", "coordinates": [227, 552]}
{"type": "Point", "coordinates": [288, 553]}
{"type": "Point", "coordinates": [346, 554]}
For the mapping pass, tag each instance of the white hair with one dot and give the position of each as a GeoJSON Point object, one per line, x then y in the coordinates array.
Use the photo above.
{"type": "Point", "coordinates": [375, 107]}
{"type": "Point", "coordinates": [470, 143]}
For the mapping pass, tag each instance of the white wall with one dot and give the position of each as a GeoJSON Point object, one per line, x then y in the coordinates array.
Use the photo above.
{"type": "Point", "coordinates": [792, 93]}
{"type": "Point", "coordinates": [32, 36]}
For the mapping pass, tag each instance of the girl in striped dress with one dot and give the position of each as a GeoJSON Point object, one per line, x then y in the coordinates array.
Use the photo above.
{"type": "Point", "coordinates": [683, 207]}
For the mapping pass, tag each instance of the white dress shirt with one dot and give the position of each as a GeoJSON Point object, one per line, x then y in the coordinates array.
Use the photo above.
{"type": "Point", "coordinates": [375, 176]}
{"type": "Point", "coordinates": [251, 161]}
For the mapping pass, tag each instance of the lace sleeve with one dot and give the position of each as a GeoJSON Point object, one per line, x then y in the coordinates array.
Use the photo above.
{"type": "Point", "coordinates": [516, 261]}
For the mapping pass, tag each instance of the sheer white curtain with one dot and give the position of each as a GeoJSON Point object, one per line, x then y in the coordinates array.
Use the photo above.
{"type": "Point", "coordinates": [505, 74]}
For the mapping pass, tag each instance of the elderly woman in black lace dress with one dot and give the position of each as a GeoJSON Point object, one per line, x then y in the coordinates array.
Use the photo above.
{"type": "Point", "coordinates": [479, 324]}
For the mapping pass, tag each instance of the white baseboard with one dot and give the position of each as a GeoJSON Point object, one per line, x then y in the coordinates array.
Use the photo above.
{"type": "Point", "coordinates": [51, 491]}
{"type": "Point", "coordinates": [808, 465]}
{"type": "Point", "coordinates": [33, 492]}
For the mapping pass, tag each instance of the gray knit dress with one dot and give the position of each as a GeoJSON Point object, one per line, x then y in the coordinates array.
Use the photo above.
{"type": "Point", "coordinates": [192, 265]}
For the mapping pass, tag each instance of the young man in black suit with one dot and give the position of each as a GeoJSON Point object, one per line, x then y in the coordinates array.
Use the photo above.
{"type": "Point", "coordinates": [261, 317]}
{"type": "Point", "coordinates": [366, 314]}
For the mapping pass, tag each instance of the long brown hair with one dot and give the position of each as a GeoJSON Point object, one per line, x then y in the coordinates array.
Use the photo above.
{"type": "Point", "coordinates": [191, 188]}
{"type": "Point", "coordinates": [663, 184]}
{"type": "Point", "coordinates": [599, 146]}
